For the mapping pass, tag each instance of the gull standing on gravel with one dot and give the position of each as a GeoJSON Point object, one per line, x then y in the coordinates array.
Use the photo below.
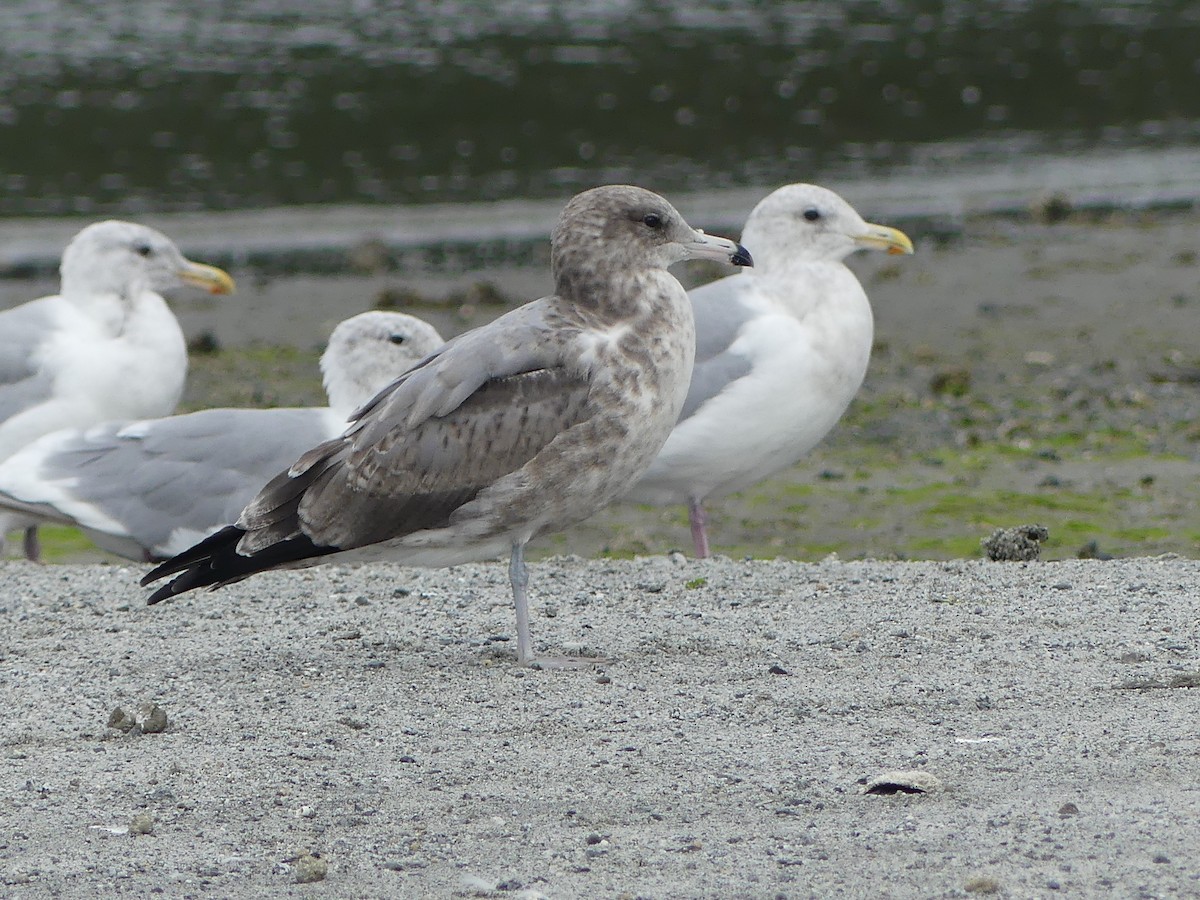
{"type": "Point", "coordinates": [149, 489]}
{"type": "Point", "coordinates": [105, 347]}
{"type": "Point", "coordinates": [525, 425]}
{"type": "Point", "coordinates": [780, 352]}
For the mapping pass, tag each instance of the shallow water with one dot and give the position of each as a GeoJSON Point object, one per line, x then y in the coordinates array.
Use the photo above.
{"type": "Point", "coordinates": [154, 106]}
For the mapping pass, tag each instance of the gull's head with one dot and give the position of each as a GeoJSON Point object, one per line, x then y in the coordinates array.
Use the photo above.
{"type": "Point", "coordinates": [811, 223]}
{"type": "Point", "coordinates": [631, 227]}
{"type": "Point", "coordinates": [126, 258]}
{"type": "Point", "coordinates": [368, 351]}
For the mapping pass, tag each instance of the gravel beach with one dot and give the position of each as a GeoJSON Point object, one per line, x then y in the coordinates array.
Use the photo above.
{"type": "Point", "coordinates": [367, 728]}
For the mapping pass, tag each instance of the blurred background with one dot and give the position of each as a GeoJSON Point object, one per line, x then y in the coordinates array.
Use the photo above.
{"type": "Point", "coordinates": [120, 108]}
{"type": "Point", "coordinates": [343, 154]}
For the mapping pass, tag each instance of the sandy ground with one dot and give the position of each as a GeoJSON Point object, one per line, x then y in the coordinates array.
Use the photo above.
{"type": "Point", "coordinates": [370, 724]}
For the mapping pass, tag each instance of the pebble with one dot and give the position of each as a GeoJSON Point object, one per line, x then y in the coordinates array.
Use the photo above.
{"type": "Point", "coordinates": [310, 868]}
{"type": "Point", "coordinates": [121, 720]}
{"type": "Point", "coordinates": [1020, 544]}
{"type": "Point", "coordinates": [151, 718]}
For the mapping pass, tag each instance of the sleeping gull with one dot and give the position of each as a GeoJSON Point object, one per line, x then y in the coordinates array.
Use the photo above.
{"type": "Point", "coordinates": [780, 352]}
{"type": "Point", "coordinates": [105, 347]}
{"type": "Point", "coordinates": [525, 425]}
{"type": "Point", "coordinates": [150, 489]}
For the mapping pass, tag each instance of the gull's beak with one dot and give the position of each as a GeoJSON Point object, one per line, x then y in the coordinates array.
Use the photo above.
{"type": "Point", "coordinates": [212, 279]}
{"type": "Point", "coordinates": [708, 246]}
{"type": "Point", "coordinates": [880, 237]}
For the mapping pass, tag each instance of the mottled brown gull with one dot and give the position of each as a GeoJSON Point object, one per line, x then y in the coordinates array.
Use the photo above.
{"type": "Point", "coordinates": [523, 426]}
{"type": "Point", "coordinates": [780, 352]}
{"type": "Point", "coordinates": [149, 489]}
{"type": "Point", "coordinates": [105, 347]}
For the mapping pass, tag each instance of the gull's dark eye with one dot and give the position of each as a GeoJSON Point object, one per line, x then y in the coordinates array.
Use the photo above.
{"type": "Point", "coordinates": [397, 338]}
{"type": "Point", "coordinates": [143, 249]}
{"type": "Point", "coordinates": [812, 214]}
{"type": "Point", "coordinates": [652, 220]}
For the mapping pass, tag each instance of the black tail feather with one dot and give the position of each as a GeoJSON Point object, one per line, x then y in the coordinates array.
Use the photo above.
{"type": "Point", "coordinates": [205, 549]}
{"type": "Point", "coordinates": [215, 561]}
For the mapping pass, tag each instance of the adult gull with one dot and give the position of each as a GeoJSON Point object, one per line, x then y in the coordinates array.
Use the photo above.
{"type": "Point", "coordinates": [149, 489]}
{"type": "Point", "coordinates": [780, 352]}
{"type": "Point", "coordinates": [513, 429]}
{"type": "Point", "coordinates": [105, 347]}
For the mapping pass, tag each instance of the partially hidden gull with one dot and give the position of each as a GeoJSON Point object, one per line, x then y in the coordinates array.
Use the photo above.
{"type": "Point", "coordinates": [522, 426]}
{"type": "Point", "coordinates": [149, 489]}
{"type": "Point", "coordinates": [105, 347]}
{"type": "Point", "coordinates": [780, 352]}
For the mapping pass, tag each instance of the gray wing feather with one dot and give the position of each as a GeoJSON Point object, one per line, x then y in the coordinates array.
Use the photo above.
{"type": "Point", "coordinates": [476, 410]}
{"type": "Point", "coordinates": [24, 394]}
{"type": "Point", "coordinates": [443, 380]}
{"type": "Point", "coordinates": [412, 479]}
{"type": "Point", "coordinates": [193, 472]}
{"type": "Point", "coordinates": [720, 312]}
{"type": "Point", "coordinates": [711, 377]}
{"type": "Point", "coordinates": [22, 331]}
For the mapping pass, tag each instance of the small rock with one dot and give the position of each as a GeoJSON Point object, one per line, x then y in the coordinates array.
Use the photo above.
{"type": "Point", "coordinates": [981, 884]}
{"type": "Point", "coordinates": [121, 720]}
{"type": "Point", "coordinates": [912, 781]}
{"type": "Point", "coordinates": [778, 670]}
{"type": "Point", "coordinates": [310, 868]}
{"type": "Point", "coordinates": [151, 718]}
{"type": "Point", "coordinates": [1068, 809]}
{"type": "Point", "coordinates": [1020, 544]}
{"type": "Point", "coordinates": [142, 823]}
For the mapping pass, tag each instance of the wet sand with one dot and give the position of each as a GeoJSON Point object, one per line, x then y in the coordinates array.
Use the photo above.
{"type": "Point", "coordinates": [1023, 371]}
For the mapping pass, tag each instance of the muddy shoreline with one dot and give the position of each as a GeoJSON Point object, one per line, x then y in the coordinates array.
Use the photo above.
{"type": "Point", "coordinates": [1025, 371]}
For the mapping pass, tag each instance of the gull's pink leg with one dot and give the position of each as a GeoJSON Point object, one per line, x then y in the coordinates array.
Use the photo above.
{"type": "Point", "coordinates": [33, 546]}
{"type": "Point", "coordinates": [699, 521]}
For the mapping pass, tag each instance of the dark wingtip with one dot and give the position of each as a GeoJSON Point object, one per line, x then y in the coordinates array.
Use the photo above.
{"type": "Point", "coordinates": [742, 257]}
{"type": "Point", "coordinates": [161, 594]}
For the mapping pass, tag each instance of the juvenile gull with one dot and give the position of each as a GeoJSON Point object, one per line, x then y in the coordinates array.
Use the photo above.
{"type": "Point", "coordinates": [780, 352]}
{"type": "Point", "coordinates": [105, 347]}
{"type": "Point", "coordinates": [149, 489]}
{"type": "Point", "coordinates": [525, 425]}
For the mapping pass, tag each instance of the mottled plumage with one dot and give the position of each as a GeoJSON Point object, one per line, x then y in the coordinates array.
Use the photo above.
{"type": "Point", "coordinates": [150, 489]}
{"type": "Point", "coordinates": [780, 352]}
{"type": "Point", "coordinates": [525, 425]}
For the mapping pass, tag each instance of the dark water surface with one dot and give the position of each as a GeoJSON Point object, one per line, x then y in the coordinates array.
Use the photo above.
{"type": "Point", "coordinates": [143, 105]}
